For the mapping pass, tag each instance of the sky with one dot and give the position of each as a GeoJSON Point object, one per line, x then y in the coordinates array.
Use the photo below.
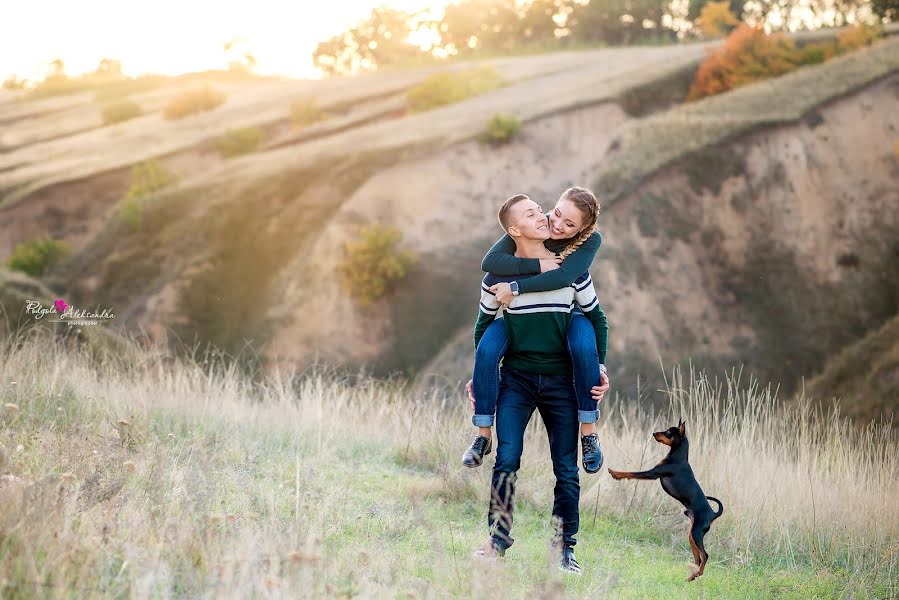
{"type": "Point", "coordinates": [174, 36]}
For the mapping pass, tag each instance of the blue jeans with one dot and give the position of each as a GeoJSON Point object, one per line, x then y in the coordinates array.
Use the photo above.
{"type": "Point", "coordinates": [485, 378]}
{"type": "Point", "coordinates": [520, 393]}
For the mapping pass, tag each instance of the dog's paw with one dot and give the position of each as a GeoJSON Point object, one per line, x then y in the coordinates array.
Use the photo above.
{"type": "Point", "coordinates": [615, 474]}
{"type": "Point", "coordinates": [694, 572]}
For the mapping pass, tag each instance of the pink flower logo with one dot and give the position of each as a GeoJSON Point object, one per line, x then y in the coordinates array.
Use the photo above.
{"type": "Point", "coordinates": [60, 305]}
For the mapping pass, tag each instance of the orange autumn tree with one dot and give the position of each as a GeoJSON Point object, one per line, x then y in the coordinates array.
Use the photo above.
{"type": "Point", "coordinates": [748, 55]}
{"type": "Point", "coordinates": [716, 19]}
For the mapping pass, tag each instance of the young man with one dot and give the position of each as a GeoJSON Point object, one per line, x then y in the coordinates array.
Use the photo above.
{"type": "Point", "coordinates": [536, 374]}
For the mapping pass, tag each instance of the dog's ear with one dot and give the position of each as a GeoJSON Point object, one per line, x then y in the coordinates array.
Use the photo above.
{"type": "Point", "coordinates": [683, 428]}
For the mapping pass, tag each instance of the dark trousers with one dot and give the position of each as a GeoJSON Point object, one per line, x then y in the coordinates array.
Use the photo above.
{"type": "Point", "coordinates": [553, 395]}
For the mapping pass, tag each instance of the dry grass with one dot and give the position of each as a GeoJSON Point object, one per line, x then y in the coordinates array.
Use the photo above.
{"type": "Point", "coordinates": [150, 477]}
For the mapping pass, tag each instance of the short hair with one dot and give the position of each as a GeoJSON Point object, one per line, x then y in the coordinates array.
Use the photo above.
{"type": "Point", "coordinates": [506, 207]}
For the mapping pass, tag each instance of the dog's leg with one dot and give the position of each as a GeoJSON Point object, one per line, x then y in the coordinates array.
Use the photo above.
{"type": "Point", "coordinates": [651, 474]}
{"type": "Point", "coordinates": [697, 535]}
{"type": "Point", "coordinates": [693, 547]}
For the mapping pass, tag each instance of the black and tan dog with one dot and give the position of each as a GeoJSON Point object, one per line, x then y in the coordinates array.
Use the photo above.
{"type": "Point", "coordinates": [680, 483]}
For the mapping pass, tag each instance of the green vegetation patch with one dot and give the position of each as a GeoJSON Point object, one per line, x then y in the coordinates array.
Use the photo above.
{"type": "Point", "coordinates": [240, 141]}
{"type": "Point", "coordinates": [35, 257]}
{"type": "Point", "coordinates": [120, 110]}
{"type": "Point", "coordinates": [449, 87]}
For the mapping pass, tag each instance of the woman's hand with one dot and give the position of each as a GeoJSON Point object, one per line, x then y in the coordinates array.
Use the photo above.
{"type": "Point", "coordinates": [598, 391]}
{"type": "Point", "coordinates": [549, 264]}
{"type": "Point", "coordinates": [503, 293]}
{"type": "Point", "coordinates": [470, 393]}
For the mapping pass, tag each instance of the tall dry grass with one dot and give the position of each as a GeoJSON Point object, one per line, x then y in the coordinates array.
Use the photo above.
{"type": "Point", "coordinates": [146, 476]}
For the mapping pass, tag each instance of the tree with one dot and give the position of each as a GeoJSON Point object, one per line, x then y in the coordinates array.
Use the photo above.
{"type": "Point", "coordinates": [716, 19]}
{"type": "Point", "coordinates": [376, 42]}
{"type": "Point", "coordinates": [473, 25]}
{"type": "Point", "coordinates": [617, 21]}
{"type": "Point", "coordinates": [886, 9]}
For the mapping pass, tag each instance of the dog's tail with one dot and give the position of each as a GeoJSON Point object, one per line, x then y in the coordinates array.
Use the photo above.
{"type": "Point", "coordinates": [720, 507]}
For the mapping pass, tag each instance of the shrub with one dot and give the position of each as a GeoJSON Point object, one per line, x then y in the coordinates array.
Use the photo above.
{"type": "Point", "coordinates": [193, 101]}
{"type": "Point", "coordinates": [13, 83]}
{"type": "Point", "coordinates": [373, 262]}
{"type": "Point", "coordinates": [305, 112]}
{"type": "Point", "coordinates": [716, 19]}
{"type": "Point", "coordinates": [748, 55]}
{"type": "Point", "coordinates": [501, 128]}
{"type": "Point", "coordinates": [35, 257]}
{"type": "Point", "coordinates": [857, 37]}
{"type": "Point", "coordinates": [240, 141]}
{"type": "Point", "coordinates": [146, 178]}
{"type": "Point", "coordinates": [814, 54]}
{"type": "Point", "coordinates": [120, 110]}
{"type": "Point", "coordinates": [448, 87]}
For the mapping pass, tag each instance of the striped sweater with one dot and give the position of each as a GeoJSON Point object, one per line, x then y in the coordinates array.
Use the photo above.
{"type": "Point", "coordinates": [537, 324]}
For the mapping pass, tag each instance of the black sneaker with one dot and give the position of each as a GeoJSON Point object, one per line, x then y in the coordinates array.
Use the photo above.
{"type": "Point", "coordinates": [480, 447]}
{"type": "Point", "coordinates": [592, 453]}
{"type": "Point", "coordinates": [569, 563]}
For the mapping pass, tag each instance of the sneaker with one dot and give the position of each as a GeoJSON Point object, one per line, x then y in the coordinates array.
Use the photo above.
{"type": "Point", "coordinates": [480, 447]}
{"type": "Point", "coordinates": [592, 453]}
{"type": "Point", "coordinates": [569, 563]}
{"type": "Point", "coordinates": [490, 549]}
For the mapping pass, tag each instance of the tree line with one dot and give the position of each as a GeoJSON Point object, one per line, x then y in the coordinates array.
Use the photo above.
{"type": "Point", "coordinates": [479, 27]}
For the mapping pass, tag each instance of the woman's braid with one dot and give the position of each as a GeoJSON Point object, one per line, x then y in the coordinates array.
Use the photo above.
{"type": "Point", "coordinates": [589, 207]}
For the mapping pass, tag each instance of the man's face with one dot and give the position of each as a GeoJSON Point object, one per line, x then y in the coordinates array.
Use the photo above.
{"type": "Point", "coordinates": [526, 220]}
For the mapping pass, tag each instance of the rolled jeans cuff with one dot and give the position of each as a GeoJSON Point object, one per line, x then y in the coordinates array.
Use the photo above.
{"type": "Point", "coordinates": [482, 420]}
{"type": "Point", "coordinates": [588, 416]}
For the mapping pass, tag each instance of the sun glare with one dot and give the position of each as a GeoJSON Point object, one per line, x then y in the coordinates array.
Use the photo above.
{"type": "Point", "coordinates": [172, 37]}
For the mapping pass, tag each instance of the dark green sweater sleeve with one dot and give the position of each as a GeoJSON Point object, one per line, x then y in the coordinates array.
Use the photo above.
{"type": "Point", "coordinates": [571, 268]}
{"type": "Point", "coordinates": [501, 260]}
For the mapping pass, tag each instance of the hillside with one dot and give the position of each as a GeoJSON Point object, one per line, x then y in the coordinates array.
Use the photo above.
{"type": "Point", "coordinates": [751, 228]}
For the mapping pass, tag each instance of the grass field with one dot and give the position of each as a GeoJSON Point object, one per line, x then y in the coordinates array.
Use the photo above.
{"type": "Point", "coordinates": [148, 477]}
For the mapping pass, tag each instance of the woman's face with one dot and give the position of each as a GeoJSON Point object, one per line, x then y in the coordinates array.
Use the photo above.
{"type": "Point", "coordinates": [565, 221]}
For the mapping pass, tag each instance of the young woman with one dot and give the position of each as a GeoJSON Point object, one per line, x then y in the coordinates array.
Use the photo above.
{"type": "Point", "coordinates": [575, 240]}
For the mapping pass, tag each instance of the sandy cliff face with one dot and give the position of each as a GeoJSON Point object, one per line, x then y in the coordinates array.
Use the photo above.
{"type": "Point", "coordinates": [772, 251]}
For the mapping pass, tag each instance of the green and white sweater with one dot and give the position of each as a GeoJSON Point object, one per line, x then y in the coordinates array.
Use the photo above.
{"type": "Point", "coordinates": [537, 324]}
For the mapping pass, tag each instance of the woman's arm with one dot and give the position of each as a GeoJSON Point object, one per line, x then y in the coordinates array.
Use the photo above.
{"type": "Point", "coordinates": [571, 268]}
{"type": "Point", "coordinates": [501, 260]}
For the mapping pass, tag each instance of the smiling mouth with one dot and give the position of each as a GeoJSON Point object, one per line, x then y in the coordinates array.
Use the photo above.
{"type": "Point", "coordinates": [556, 231]}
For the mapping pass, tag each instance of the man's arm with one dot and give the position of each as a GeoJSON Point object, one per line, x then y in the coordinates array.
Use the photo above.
{"type": "Point", "coordinates": [486, 313]}
{"type": "Point", "coordinates": [501, 260]}
{"type": "Point", "coordinates": [571, 268]}
{"type": "Point", "coordinates": [586, 298]}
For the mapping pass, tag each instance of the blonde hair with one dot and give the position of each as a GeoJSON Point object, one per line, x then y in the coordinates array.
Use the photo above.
{"type": "Point", "coordinates": [503, 214]}
{"type": "Point", "coordinates": [589, 207]}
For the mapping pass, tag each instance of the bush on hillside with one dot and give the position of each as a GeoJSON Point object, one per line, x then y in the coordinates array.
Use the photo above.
{"type": "Point", "coordinates": [859, 36]}
{"type": "Point", "coordinates": [146, 178]}
{"type": "Point", "coordinates": [305, 112]}
{"type": "Point", "coordinates": [373, 262]}
{"type": "Point", "coordinates": [120, 110]}
{"type": "Point", "coordinates": [192, 101]}
{"type": "Point", "coordinates": [240, 141]}
{"type": "Point", "coordinates": [748, 55]}
{"type": "Point", "coordinates": [448, 87]}
{"type": "Point", "coordinates": [36, 257]}
{"type": "Point", "coordinates": [501, 128]}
